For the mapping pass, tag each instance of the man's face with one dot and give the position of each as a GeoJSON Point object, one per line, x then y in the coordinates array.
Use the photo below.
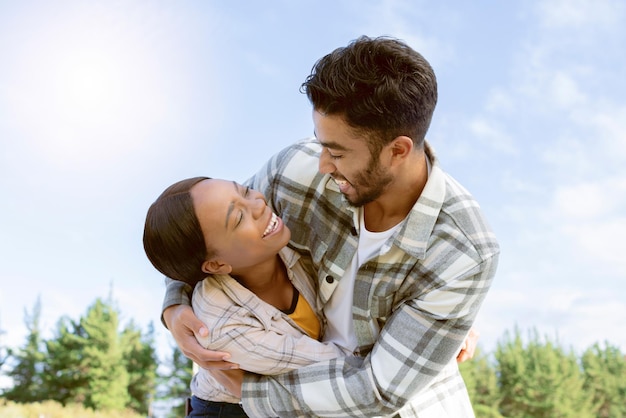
{"type": "Point", "coordinates": [347, 158]}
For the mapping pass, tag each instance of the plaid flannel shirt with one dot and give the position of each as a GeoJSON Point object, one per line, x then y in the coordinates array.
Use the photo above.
{"type": "Point", "coordinates": [258, 336]}
{"type": "Point", "coordinates": [422, 291]}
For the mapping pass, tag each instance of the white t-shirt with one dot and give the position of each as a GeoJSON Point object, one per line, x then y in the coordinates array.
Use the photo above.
{"type": "Point", "coordinates": [338, 310]}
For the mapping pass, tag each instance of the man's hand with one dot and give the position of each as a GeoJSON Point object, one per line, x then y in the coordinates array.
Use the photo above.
{"type": "Point", "coordinates": [184, 326]}
{"type": "Point", "coordinates": [469, 346]}
{"type": "Point", "coordinates": [230, 379]}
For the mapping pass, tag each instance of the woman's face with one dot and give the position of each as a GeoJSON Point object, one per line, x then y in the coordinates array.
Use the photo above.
{"type": "Point", "coordinates": [237, 223]}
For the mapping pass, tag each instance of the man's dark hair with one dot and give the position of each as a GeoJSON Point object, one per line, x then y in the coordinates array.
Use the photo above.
{"type": "Point", "coordinates": [380, 86]}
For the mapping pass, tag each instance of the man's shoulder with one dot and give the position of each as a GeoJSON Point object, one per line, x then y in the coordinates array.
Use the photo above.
{"type": "Point", "coordinates": [309, 145]}
{"type": "Point", "coordinates": [297, 166]}
{"type": "Point", "coordinates": [462, 209]}
{"type": "Point", "coordinates": [299, 151]}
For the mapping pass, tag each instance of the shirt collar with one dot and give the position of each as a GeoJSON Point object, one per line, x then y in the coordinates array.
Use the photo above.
{"type": "Point", "coordinates": [412, 237]}
{"type": "Point", "coordinates": [418, 225]}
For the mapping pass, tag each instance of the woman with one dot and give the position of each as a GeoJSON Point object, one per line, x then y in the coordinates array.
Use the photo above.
{"type": "Point", "coordinates": [222, 238]}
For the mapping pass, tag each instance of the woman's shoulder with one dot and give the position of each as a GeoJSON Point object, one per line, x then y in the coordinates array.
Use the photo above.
{"type": "Point", "coordinates": [218, 294]}
{"type": "Point", "coordinates": [215, 291]}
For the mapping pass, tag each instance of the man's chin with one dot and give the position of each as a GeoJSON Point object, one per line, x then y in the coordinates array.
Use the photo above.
{"type": "Point", "coordinates": [357, 200]}
{"type": "Point", "coordinates": [354, 200]}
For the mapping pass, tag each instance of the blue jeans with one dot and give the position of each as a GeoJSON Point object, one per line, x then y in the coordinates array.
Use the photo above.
{"type": "Point", "coordinates": [209, 409]}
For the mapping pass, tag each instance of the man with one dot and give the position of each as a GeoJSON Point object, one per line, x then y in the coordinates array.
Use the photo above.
{"type": "Point", "coordinates": [403, 253]}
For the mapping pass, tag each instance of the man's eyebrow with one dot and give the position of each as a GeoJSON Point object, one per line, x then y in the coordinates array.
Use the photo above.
{"type": "Point", "coordinates": [330, 144]}
{"type": "Point", "coordinates": [231, 206]}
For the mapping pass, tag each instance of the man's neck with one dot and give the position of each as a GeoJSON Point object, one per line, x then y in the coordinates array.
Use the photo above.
{"type": "Point", "coordinates": [399, 197]}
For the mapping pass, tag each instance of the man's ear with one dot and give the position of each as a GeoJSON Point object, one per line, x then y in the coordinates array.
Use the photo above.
{"type": "Point", "coordinates": [216, 267]}
{"type": "Point", "coordinates": [401, 147]}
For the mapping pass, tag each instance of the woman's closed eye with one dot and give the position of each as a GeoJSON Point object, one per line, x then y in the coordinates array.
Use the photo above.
{"type": "Point", "coordinates": [245, 194]}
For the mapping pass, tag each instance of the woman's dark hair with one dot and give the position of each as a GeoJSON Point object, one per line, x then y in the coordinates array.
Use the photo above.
{"type": "Point", "coordinates": [172, 236]}
{"type": "Point", "coordinates": [380, 86]}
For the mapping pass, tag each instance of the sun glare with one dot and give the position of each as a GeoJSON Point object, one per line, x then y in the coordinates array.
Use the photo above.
{"type": "Point", "coordinates": [89, 88]}
{"type": "Point", "coordinates": [90, 83]}
{"type": "Point", "coordinates": [86, 92]}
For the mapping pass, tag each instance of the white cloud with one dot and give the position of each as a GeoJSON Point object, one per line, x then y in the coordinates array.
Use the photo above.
{"type": "Point", "coordinates": [574, 14]}
{"type": "Point", "coordinates": [564, 91]}
{"type": "Point", "coordinates": [406, 20]}
{"type": "Point", "coordinates": [598, 318]}
{"type": "Point", "coordinates": [500, 101]}
{"type": "Point", "coordinates": [601, 242]}
{"type": "Point", "coordinates": [591, 200]}
{"type": "Point", "coordinates": [493, 136]}
{"type": "Point", "coordinates": [609, 122]}
{"type": "Point", "coordinates": [577, 316]}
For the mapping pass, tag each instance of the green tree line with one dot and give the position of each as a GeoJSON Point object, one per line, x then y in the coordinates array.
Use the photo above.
{"type": "Point", "coordinates": [94, 362]}
{"type": "Point", "coordinates": [97, 363]}
{"type": "Point", "coordinates": [538, 377]}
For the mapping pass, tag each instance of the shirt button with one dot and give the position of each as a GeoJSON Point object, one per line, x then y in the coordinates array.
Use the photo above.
{"type": "Point", "coordinates": [330, 279]}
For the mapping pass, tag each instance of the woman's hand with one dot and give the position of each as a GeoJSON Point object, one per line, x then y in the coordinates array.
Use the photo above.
{"type": "Point", "coordinates": [184, 326]}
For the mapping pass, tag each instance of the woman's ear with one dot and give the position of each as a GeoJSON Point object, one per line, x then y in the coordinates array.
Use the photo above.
{"type": "Point", "coordinates": [216, 267]}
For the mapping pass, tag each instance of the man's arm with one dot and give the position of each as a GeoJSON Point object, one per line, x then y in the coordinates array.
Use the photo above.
{"type": "Point", "coordinates": [178, 317]}
{"type": "Point", "coordinates": [233, 379]}
{"type": "Point", "coordinates": [176, 293]}
{"type": "Point", "coordinates": [258, 338]}
{"type": "Point", "coordinates": [414, 350]}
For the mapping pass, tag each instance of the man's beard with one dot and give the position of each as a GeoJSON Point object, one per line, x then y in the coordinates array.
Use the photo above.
{"type": "Point", "coordinates": [369, 184]}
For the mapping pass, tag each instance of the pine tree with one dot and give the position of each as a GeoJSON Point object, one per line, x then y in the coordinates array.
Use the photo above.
{"type": "Point", "coordinates": [28, 362]}
{"type": "Point", "coordinates": [65, 377]}
{"type": "Point", "coordinates": [103, 358]}
{"type": "Point", "coordinates": [540, 380]}
{"type": "Point", "coordinates": [482, 385]}
{"type": "Point", "coordinates": [141, 364]}
{"type": "Point", "coordinates": [175, 382]}
{"type": "Point", "coordinates": [85, 361]}
{"type": "Point", "coordinates": [605, 378]}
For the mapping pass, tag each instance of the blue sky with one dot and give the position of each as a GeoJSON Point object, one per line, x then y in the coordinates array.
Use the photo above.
{"type": "Point", "coordinates": [104, 104]}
